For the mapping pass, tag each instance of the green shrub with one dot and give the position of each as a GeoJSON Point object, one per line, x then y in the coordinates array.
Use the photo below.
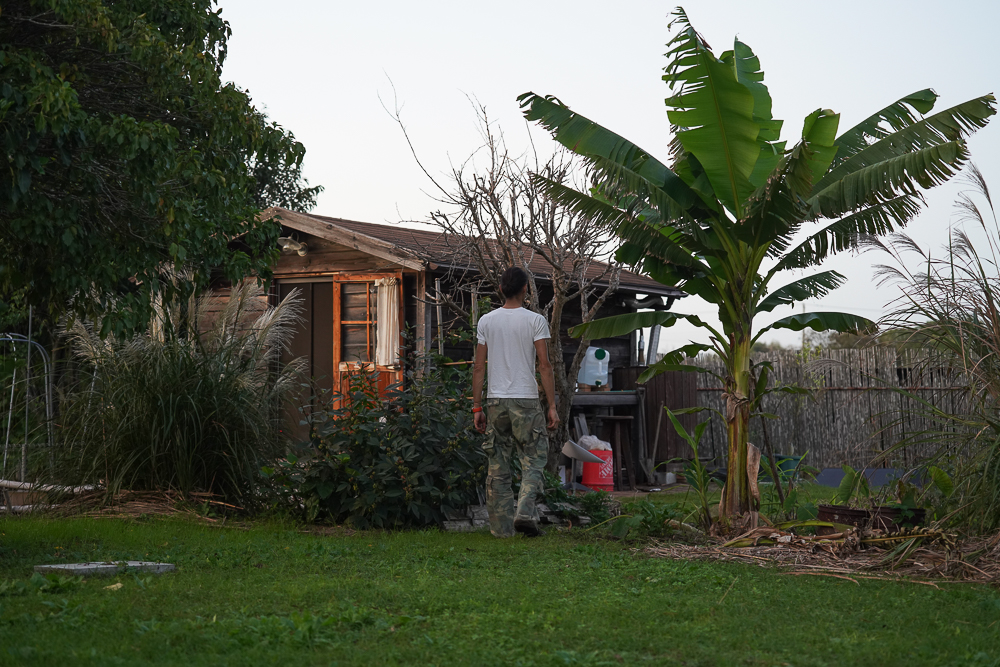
{"type": "Point", "coordinates": [598, 505]}
{"type": "Point", "coordinates": [173, 408]}
{"type": "Point", "coordinates": [402, 459]}
{"type": "Point", "coordinates": [643, 518]}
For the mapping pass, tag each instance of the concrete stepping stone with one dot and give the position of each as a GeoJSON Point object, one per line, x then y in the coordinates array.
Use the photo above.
{"type": "Point", "coordinates": [106, 569]}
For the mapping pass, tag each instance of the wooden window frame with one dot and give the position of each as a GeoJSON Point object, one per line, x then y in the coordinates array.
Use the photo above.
{"type": "Point", "coordinates": [340, 279]}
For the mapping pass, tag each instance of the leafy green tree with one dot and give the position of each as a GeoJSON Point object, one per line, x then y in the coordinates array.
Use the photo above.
{"type": "Point", "coordinates": [126, 157]}
{"type": "Point", "coordinates": [280, 182]}
{"type": "Point", "coordinates": [719, 221]}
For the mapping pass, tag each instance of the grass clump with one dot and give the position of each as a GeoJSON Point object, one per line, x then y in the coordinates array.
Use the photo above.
{"type": "Point", "coordinates": [190, 404]}
{"type": "Point", "coordinates": [951, 308]}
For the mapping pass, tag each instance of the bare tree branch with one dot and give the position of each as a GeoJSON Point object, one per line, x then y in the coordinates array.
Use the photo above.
{"type": "Point", "coordinates": [493, 216]}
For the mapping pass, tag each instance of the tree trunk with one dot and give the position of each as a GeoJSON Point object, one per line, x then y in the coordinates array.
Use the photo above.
{"type": "Point", "coordinates": [736, 500]}
{"type": "Point", "coordinates": [563, 388]}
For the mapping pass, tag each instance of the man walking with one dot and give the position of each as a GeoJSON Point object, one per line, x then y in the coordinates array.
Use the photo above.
{"type": "Point", "coordinates": [510, 338]}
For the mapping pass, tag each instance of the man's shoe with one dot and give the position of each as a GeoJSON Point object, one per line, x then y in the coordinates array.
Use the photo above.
{"type": "Point", "coordinates": [528, 528]}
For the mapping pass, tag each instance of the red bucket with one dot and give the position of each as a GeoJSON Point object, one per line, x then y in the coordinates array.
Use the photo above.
{"type": "Point", "coordinates": [600, 476]}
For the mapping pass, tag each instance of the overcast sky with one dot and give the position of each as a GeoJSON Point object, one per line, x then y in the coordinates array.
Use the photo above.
{"type": "Point", "coordinates": [320, 69]}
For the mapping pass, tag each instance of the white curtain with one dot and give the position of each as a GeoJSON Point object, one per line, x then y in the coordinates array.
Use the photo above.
{"type": "Point", "coordinates": [387, 322]}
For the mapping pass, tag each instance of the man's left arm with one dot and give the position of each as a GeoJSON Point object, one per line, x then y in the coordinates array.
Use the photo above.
{"type": "Point", "coordinates": [548, 380]}
{"type": "Point", "coordinates": [478, 373]}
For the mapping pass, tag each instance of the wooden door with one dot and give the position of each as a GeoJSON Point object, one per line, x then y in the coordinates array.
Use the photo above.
{"type": "Point", "coordinates": [355, 303]}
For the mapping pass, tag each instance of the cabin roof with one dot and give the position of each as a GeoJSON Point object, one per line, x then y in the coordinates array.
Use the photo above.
{"type": "Point", "coordinates": [422, 249]}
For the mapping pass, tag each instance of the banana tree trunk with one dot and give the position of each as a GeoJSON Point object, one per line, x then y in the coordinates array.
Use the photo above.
{"type": "Point", "coordinates": [736, 497]}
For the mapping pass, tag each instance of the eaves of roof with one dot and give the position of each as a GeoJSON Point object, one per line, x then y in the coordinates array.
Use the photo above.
{"type": "Point", "coordinates": [421, 249]}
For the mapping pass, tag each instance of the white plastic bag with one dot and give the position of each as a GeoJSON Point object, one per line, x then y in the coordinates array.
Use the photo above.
{"type": "Point", "coordinates": [592, 442]}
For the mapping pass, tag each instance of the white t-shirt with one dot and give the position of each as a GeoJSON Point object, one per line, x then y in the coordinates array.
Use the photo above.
{"type": "Point", "coordinates": [509, 335]}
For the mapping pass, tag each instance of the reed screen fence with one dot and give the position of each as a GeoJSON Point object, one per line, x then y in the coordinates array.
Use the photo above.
{"type": "Point", "coordinates": [855, 413]}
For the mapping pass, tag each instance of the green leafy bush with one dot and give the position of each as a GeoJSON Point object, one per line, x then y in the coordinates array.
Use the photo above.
{"type": "Point", "coordinates": [646, 519]}
{"type": "Point", "coordinates": [598, 505]}
{"type": "Point", "coordinates": [402, 459]}
{"type": "Point", "coordinates": [180, 406]}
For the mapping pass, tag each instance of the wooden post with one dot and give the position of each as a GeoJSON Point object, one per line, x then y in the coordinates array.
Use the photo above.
{"type": "Point", "coordinates": [422, 330]}
{"type": "Point", "coordinates": [475, 306]}
{"type": "Point", "coordinates": [654, 344]}
{"type": "Point", "coordinates": [440, 315]}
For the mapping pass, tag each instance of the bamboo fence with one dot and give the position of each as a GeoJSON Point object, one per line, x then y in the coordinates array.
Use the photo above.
{"type": "Point", "coordinates": [855, 412]}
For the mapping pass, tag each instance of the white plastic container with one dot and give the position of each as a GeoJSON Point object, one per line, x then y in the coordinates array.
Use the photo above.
{"type": "Point", "coordinates": [664, 478]}
{"type": "Point", "coordinates": [594, 369]}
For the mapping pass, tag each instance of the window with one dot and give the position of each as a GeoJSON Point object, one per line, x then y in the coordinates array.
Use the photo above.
{"type": "Point", "coordinates": [358, 313]}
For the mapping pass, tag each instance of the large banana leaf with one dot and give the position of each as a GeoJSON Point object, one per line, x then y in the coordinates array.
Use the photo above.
{"type": "Point", "coordinates": [640, 237]}
{"type": "Point", "coordinates": [810, 287]}
{"type": "Point", "coordinates": [897, 116]}
{"type": "Point", "coordinates": [819, 132]}
{"type": "Point", "coordinates": [714, 116]}
{"type": "Point", "coordinates": [957, 122]}
{"type": "Point", "coordinates": [701, 283]}
{"type": "Point", "coordinates": [672, 361]}
{"type": "Point", "coordinates": [845, 233]}
{"type": "Point", "coordinates": [776, 211]}
{"type": "Point", "coordinates": [746, 66]}
{"type": "Point", "coordinates": [840, 322]}
{"type": "Point", "coordinates": [890, 178]}
{"type": "Point", "coordinates": [587, 138]}
{"type": "Point", "coordinates": [619, 325]}
{"type": "Point", "coordinates": [620, 183]}
{"type": "Point", "coordinates": [640, 241]}
{"type": "Point", "coordinates": [582, 204]}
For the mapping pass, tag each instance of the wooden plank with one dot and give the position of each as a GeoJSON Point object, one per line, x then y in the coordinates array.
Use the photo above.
{"type": "Point", "coordinates": [335, 339]}
{"type": "Point", "coordinates": [605, 398]}
{"type": "Point", "coordinates": [324, 263]}
{"type": "Point", "coordinates": [328, 230]}
{"type": "Point", "coordinates": [422, 326]}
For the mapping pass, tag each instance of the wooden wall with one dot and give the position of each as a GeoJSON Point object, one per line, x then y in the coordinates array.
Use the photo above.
{"type": "Point", "coordinates": [671, 390]}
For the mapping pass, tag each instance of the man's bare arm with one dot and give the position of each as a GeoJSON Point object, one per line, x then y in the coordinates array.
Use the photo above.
{"type": "Point", "coordinates": [548, 380]}
{"type": "Point", "coordinates": [478, 373]}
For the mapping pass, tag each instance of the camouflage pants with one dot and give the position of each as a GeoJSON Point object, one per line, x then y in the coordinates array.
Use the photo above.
{"type": "Point", "coordinates": [515, 426]}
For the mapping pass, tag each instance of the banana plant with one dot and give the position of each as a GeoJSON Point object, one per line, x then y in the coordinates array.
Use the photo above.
{"type": "Point", "coordinates": [718, 218]}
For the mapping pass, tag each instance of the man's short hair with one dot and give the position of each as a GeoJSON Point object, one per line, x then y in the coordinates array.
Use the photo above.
{"type": "Point", "coordinates": [513, 281]}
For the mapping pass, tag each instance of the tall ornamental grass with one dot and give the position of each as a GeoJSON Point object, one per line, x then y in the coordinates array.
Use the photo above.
{"type": "Point", "coordinates": [192, 404]}
{"type": "Point", "coordinates": [950, 305]}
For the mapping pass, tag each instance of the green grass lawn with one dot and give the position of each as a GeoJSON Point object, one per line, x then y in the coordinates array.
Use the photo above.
{"type": "Point", "coordinates": [273, 595]}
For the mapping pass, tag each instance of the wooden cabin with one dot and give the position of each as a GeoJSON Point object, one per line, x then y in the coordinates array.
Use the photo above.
{"type": "Point", "coordinates": [343, 268]}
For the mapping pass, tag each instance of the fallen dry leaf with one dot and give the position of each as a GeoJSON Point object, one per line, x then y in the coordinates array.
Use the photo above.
{"type": "Point", "coordinates": [114, 587]}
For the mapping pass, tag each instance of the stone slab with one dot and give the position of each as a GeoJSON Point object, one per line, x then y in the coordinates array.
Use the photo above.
{"type": "Point", "coordinates": [478, 513]}
{"type": "Point", "coordinates": [105, 569]}
{"type": "Point", "coordinates": [455, 515]}
{"type": "Point", "coordinates": [463, 526]}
